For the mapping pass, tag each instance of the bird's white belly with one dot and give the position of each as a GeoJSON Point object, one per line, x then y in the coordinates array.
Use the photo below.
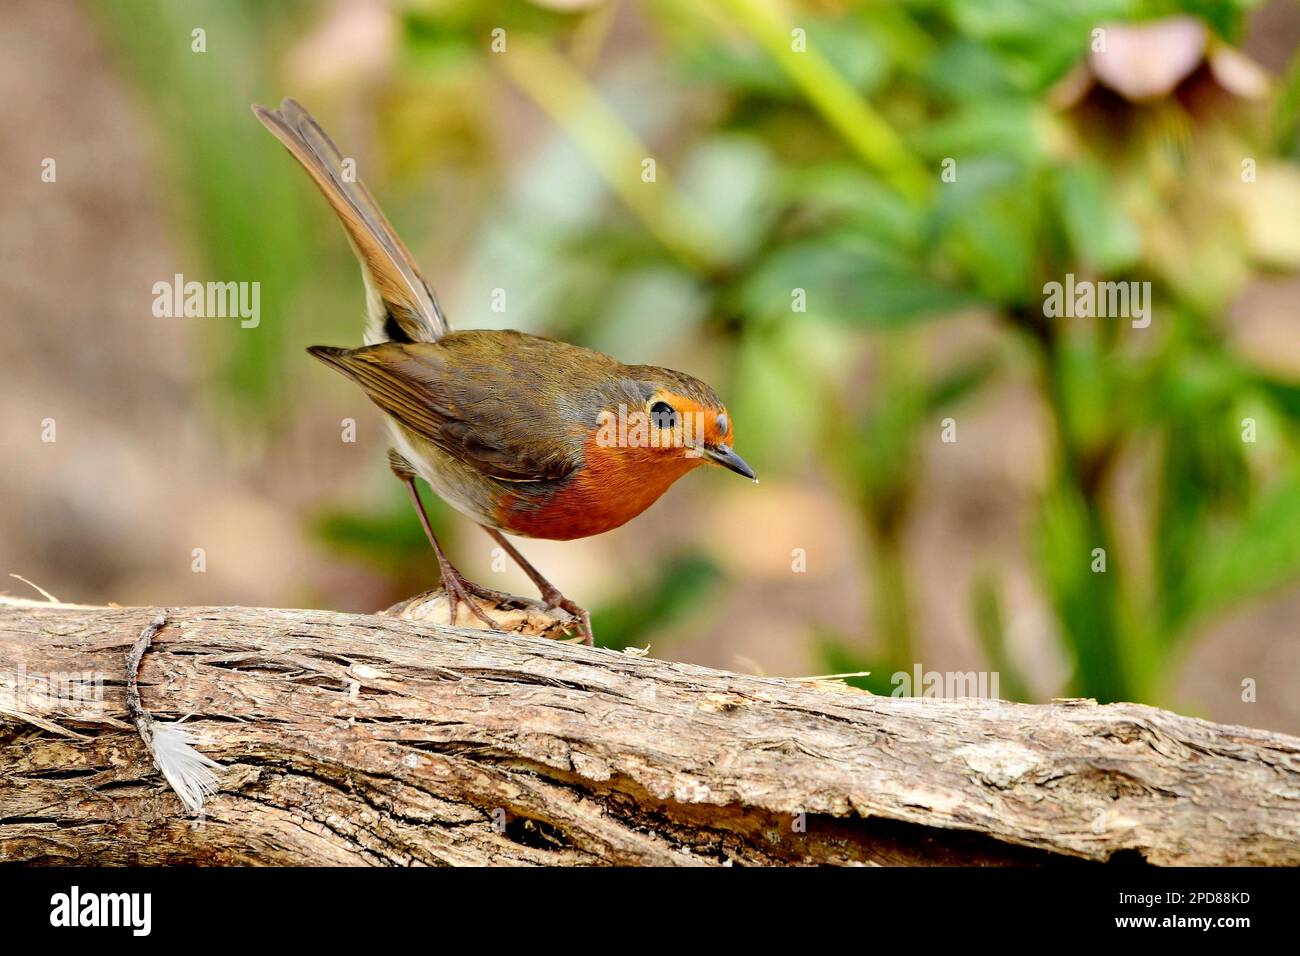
{"type": "Point", "coordinates": [454, 482]}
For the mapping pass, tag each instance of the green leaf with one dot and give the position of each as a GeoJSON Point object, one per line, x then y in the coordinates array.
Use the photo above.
{"type": "Point", "coordinates": [1203, 478]}
{"type": "Point", "coordinates": [1286, 122]}
{"type": "Point", "coordinates": [1009, 129]}
{"type": "Point", "coordinates": [1103, 237]}
{"type": "Point", "coordinates": [1040, 40]}
{"type": "Point", "coordinates": [851, 280]}
{"type": "Point", "coordinates": [952, 387]}
{"type": "Point", "coordinates": [846, 194]}
{"type": "Point", "coordinates": [1253, 558]}
{"type": "Point", "coordinates": [1282, 394]}
{"type": "Point", "coordinates": [854, 52]}
{"type": "Point", "coordinates": [1083, 382]}
{"type": "Point", "coordinates": [1086, 601]}
{"type": "Point", "coordinates": [966, 70]}
{"type": "Point", "coordinates": [989, 221]}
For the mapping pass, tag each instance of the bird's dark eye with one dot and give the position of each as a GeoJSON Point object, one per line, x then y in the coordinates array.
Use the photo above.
{"type": "Point", "coordinates": [662, 415]}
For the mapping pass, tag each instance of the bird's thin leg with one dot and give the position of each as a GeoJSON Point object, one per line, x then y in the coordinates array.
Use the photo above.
{"type": "Point", "coordinates": [550, 593]}
{"type": "Point", "coordinates": [458, 589]}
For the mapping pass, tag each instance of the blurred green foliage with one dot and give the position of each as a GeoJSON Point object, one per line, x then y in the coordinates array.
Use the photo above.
{"type": "Point", "coordinates": [681, 584]}
{"type": "Point", "coordinates": [821, 171]}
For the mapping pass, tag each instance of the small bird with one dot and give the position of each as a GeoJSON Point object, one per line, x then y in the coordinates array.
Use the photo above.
{"type": "Point", "coordinates": [522, 434]}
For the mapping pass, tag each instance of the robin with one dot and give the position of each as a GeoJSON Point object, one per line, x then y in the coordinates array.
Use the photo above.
{"type": "Point", "coordinates": [522, 434]}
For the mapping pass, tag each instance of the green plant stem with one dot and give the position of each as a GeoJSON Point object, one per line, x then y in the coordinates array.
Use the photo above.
{"type": "Point", "coordinates": [1101, 667]}
{"type": "Point", "coordinates": [892, 601]}
{"type": "Point", "coordinates": [865, 130]}
{"type": "Point", "coordinates": [610, 145]}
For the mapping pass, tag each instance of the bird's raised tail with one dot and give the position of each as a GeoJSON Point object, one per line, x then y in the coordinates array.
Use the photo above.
{"type": "Point", "coordinates": [402, 306]}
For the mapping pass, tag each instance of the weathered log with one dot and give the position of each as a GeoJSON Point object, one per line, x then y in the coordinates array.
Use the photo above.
{"type": "Point", "coordinates": [372, 740]}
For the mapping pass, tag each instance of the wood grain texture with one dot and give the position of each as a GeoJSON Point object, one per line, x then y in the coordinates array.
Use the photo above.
{"type": "Point", "coordinates": [370, 740]}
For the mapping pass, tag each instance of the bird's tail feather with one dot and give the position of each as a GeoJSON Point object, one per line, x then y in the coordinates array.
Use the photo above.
{"type": "Point", "coordinates": [402, 306]}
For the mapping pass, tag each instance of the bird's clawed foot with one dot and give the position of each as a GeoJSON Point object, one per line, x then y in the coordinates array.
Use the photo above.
{"type": "Point", "coordinates": [551, 595]}
{"type": "Point", "coordinates": [459, 589]}
{"type": "Point", "coordinates": [554, 598]}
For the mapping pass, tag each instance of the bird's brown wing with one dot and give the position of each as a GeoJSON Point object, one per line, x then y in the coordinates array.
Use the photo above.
{"type": "Point", "coordinates": [476, 412]}
{"type": "Point", "coordinates": [392, 278]}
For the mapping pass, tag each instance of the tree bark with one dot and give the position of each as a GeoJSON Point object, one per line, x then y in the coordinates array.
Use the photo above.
{"type": "Point", "coordinates": [375, 740]}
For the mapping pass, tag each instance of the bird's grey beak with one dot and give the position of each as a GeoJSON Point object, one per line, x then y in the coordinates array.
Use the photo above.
{"type": "Point", "coordinates": [728, 459]}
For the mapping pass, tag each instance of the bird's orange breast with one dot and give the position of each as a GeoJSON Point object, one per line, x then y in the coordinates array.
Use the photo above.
{"type": "Point", "coordinates": [613, 486]}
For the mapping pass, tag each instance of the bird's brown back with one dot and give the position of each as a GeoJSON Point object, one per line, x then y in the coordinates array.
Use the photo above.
{"type": "Point", "coordinates": [515, 406]}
